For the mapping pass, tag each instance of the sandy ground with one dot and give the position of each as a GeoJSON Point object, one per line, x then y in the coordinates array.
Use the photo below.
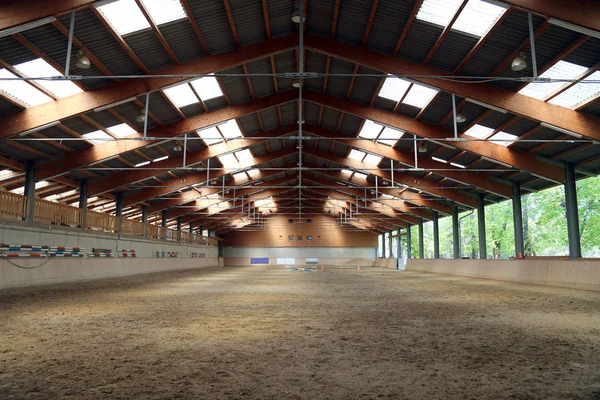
{"type": "Point", "coordinates": [263, 333]}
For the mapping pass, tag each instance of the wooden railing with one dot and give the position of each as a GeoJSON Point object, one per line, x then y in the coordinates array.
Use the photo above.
{"type": "Point", "coordinates": [14, 207]}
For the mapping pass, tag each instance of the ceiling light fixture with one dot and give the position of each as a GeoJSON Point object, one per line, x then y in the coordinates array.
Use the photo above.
{"type": "Point", "coordinates": [141, 117]}
{"type": "Point", "coordinates": [82, 61]}
{"type": "Point", "coordinates": [460, 117]}
{"type": "Point", "coordinates": [519, 63]}
{"type": "Point", "coordinates": [422, 148]}
{"type": "Point", "coordinates": [296, 14]}
{"type": "Point", "coordinates": [296, 83]}
{"type": "Point", "coordinates": [177, 147]}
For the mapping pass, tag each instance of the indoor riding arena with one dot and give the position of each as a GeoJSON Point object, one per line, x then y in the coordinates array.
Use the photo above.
{"type": "Point", "coordinates": [300, 199]}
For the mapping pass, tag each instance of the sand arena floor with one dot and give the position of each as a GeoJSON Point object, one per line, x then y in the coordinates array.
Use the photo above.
{"type": "Point", "coordinates": [262, 333]}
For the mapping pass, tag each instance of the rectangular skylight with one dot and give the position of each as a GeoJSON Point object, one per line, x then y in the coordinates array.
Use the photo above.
{"type": "Point", "coordinates": [160, 159]}
{"type": "Point", "coordinates": [22, 91]}
{"type": "Point", "coordinates": [6, 173]}
{"type": "Point", "coordinates": [439, 160]}
{"type": "Point", "coordinates": [503, 138]}
{"type": "Point", "coordinates": [207, 88]}
{"type": "Point", "coordinates": [253, 172]}
{"type": "Point", "coordinates": [121, 130]}
{"type": "Point", "coordinates": [346, 171]}
{"type": "Point", "coordinates": [560, 70]}
{"type": "Point", "coordinates": [229, 161]}
{"type": "Point", "coordinates": [478, 17]}
{"type": "Point", "coordinates": [438, 12]}
{"type": "Point", "coordinates": [390, 136]}
{"type": "Point", "coordinates": [370, 130]}
{"type": "Point", "coordinates": [230, 130]}
{"type": "Point", "coordinates": [360, 175]}
{"type": "Point", "coordinates": [419, 96]}
{"type": "Point", "coordinates": [60, 196]}
{"type": "Point", "coordinates": [163, 11]}
{"type": "Point", "coordinates": [38, 185]}
{"type": "Point", "coordinates": [239, 175]}
{"type": "Point", "coordinates": [356, 155]}
{"type": "Point", "coordinates": [142, 164]}
{"type": "Point", "coordinates": [181, 95]}
{"type": "Point", "coordinates": [123, 15]}
{"type": "Point", "coordinates": [97, 137]}
{"type": "Point", "coordinates": [394, 88]}
{"type": "Point", "coordinates": [372, 159]}
{"type": "Point", "coordinates": [458, 165]}
{"type": "Point", "coordinates": [40, 68]}
{"type": "Point", "coordinates": [580, 93]}
{"type": "Point", "coordinates": [210, 136]}
{"type": "Point", "coordinates": [479, 131]}
{"type": "Point", "coordinates": [243, 154]}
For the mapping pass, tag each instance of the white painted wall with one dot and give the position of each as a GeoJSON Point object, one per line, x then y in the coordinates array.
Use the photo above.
{"type": "Point", "coordinates": [300, 252]}
{"type": "Point", "coordinates": [58, 270]}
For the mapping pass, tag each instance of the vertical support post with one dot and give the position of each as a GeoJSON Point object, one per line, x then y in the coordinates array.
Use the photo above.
{"type": "Point", "coordinates": [421, 240]}
{"type": "Point", "coordinates": [191, 227]}
{"type": "Point", "coordinates": [83, 197]}
{"type": "Point", "coordinates": [164, 219]}
{"type": "Point", "coordinates": [455, 233]}
{"type": "Point", "coordinates": [145, 220]}
{"type": "Point", "coordinates": [399, 242]}
{"type": "Point", "coordinates": [179, 221]}
{"type": "Point", "coordinates": [390, 245]}
{"type": "Point", "coordinates": [408, 242]}
{"type": "Point", "coordinates": [436, 235]}
{"type": "Point", "coordinates": [572, 212]}
{"type": "Point", "coordinates": [70, 44]}
{"type": "Point", "coordinates": [481, 226]}
{"type": "Point", "coordinates": [383, 245]}
{"type": "Point", "coordinates": [119, 211]}
{"type": "Point", "coordinates": [29, 191]}
{"type": "Point", "coordinates": [518, 220]}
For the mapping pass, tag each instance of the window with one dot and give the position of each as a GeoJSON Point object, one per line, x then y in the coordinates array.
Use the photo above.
{"type": "Point", "coordinates": [181, 95]}
{"type": "Point", "coordinates": [503, 138]}
{"type": "Point", "coordinates": [97, 137]}
{"type": "Point", "coordinates": [40, 68]}
{"type": "Point", "coordinates": [580, 93]}
{"type": "Point", "coordinates": [438, 12]}
{"type": "Point", "coordinates": [419, 96]}
{"type": "Point", "coordinates": [478, 17]}
{"type": "Point", "coordinates": [163, 11]}
{"type": "Point", "coordinates": [230, 130]}
{"type": "Point", "coordinates": [121, 130]}
{"type": "Point", "coordinates": [479, 131]}
{"type": "Point", "coordinates": [394, 88]}
{"type": "Point", "coordinates": [207, 88]}
{"type": "Point", "coordinates": [231, 160]}
{"type": "Point", "coordinates": [379, 133]}
{"type": "Point", "coordinates": [390, 136]}
{"type": "Point", "coordinates": [123, 15]}
{"type": "Point", "coordinates": [370, 130]}
{"type": "Point", "coordinates": [356, 155]}
{"type": "Point", "coordinates": [560, 70]}
{"type": "Point", "coordinates": [22, 91]}
{"type": "Point", "coordinates": [210, 136]}
{"type": "Point", "coordinates": [372, 159]}
{"type": "Point", "coordinates": [243, 154]}
{"type": "Point", "coordinates": [364, 157]}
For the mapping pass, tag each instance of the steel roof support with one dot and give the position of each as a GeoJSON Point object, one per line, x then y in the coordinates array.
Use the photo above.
{"type": "Point", "coordinates": [572, 212]}
{"type": "Point", "coordinates": [436, 235]}
{"type": "Point", "coordinates": [518, 220]}
{"type": "Point", "coordinates": [481, 226]}
{"type": "Point", "coordinates": [455, 233]}
{"type": "Point", "coordinates": [421, 240]}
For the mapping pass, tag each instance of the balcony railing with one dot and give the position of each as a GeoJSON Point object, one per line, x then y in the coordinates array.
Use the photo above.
{"type": "Point", "coordinates": [15, 207]}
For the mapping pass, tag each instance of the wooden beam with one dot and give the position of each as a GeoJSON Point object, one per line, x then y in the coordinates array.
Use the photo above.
{"type": "Point", "coordinates": [232, 23]}
{"type": "Point", "coordinates": [493, 151]}
{"type": "Point", "coordinates": [266, 18]}
{"type": "Point", "coordinates": [586, 125]}
{"type": "Point", "coordinates": [190, 15]}
{"type": "Point", "coordinates": [157, 32]}
{"type": "Point", "coordinates": [444, 33]}
{"type": "Point", "coordinates": [370, 23]}
{"type": "Point", "coordinates": [586, 13]}
{"type": "Point", "coordinates": [19, 13]}
{"type": "Point", "coordinates": [34, 117]}
{"type": "Point", "coordinates": [407, 25]}
{"type": "Point", "coordinates": [336, 13]}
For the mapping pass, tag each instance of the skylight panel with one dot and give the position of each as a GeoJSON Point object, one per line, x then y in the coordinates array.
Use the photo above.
{"type": "Point", "coordinates": [479, 131]}
{"type": "Point", "coordinates": [393, 88]}
{"type": "Point", "coordinates": [38, 185]}
{"type": "Point", "coordinates": [579, 94]}
{"type": "Point", "coordinates": [356, 155]}
{"type": "Point", "coordinates": [230, 130]}
{"type": "Point", "coordinates": [253, 172]}
{"type": "Point", "coordinates": [160, 159]}
{"type": "Point", "coordinates": [439, 160]}
{"type": "Point", "coordinates": [40, 68]}
{"type": "Point", "coordinates": [458, 165]}
{"type": "Point", "coordinates": [123, 15]}
{"type": "Point", "coordinates": [370, 130]}
{"type": "Point", "coordinates": [210, 136]}
{"type": "Point", "coordinates": [207, 88]}
{"type": "Point", "coordinates": [346, 171]}
{"type": "Point", "coordinates": [97, 137]}
{"type": "Point", "coordinates": [6, 173]}
{"type": "Point", "coordinates": [560, 70]}
{"type": "Point", "coordinates": [142, 164]}
{"type": "Point", "coordinates": [478, 17]}
{"type": "Point", "coordinates": [121, 130]}
{"type": "Point", "coordinates": [419, 96]}
{"type": "Point", "coordinates": [239, 175]}
{"type": "Point", "coordinates": [438, 12]}
{"type": "Point", "coordinates": [503, 138]}
{"type": "Point", "coordinates": [360, 175]}
{"type": "Point", "coordinates": [243, 155]}
{"type": "Point", "coordinates": [372, 159]}
{"type": "Point", "coordinates": [60, 196]}
{"type": "Point", "coordinates": [229, 161]}
{"type": "Point", "coordinates": [163, 11]}
{"type": "Point", "coordinates": [390, 136]}
{"type": "Point", "coordinates": [22, 91]}
{"type": "Point", "coordinates": [181, 95]}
